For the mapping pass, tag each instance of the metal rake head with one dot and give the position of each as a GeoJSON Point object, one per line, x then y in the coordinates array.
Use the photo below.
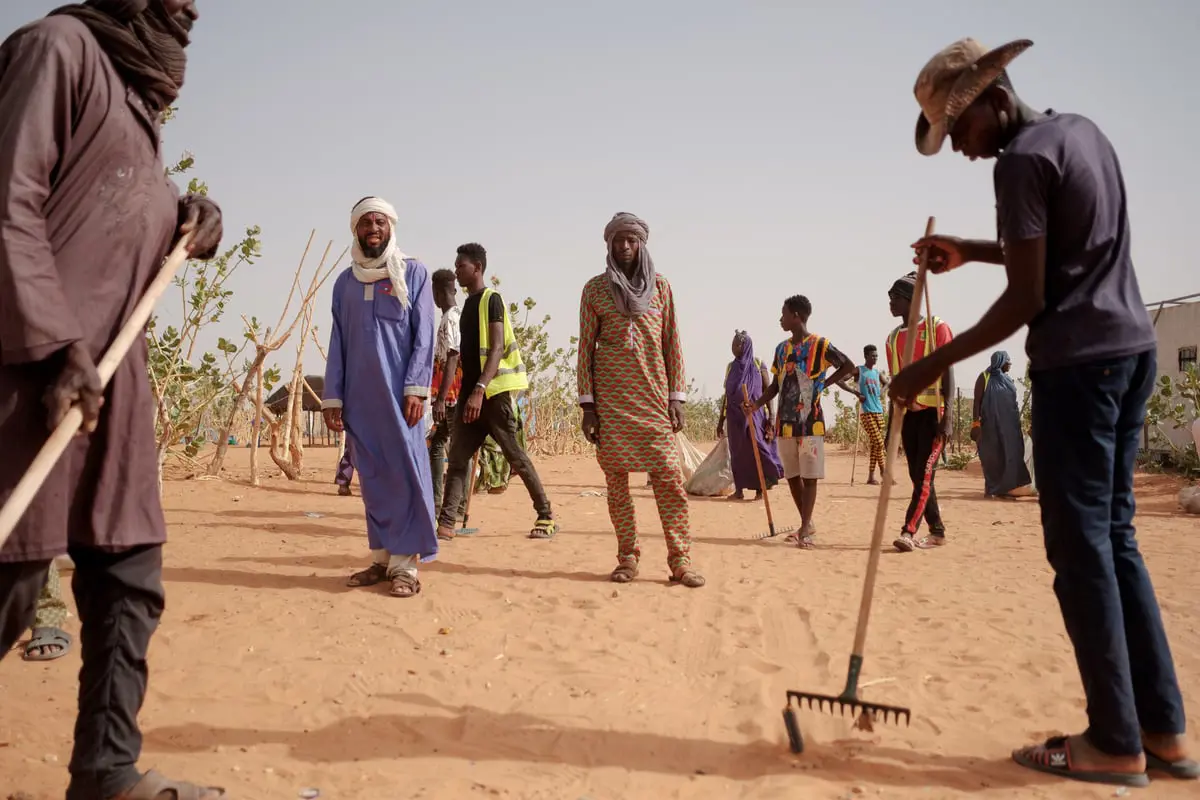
{"type": "Point", "coordinates": [859, 709]}
{"type": "Point", "coordinates": [778, 532]}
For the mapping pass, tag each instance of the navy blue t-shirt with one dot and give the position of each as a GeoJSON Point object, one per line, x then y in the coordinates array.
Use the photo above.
{"type": "Point", "coordinates": [1060, 178]}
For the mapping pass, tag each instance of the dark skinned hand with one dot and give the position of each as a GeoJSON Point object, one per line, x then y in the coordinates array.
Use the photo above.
{"type": "Point", "coordinates": [944, 253]}
{"type": "Point", "coordinates": [333, 419]}
{"type": "Point", "coordinates": [414, 410]}
{"type": "Point", "coordinates": [77, 382]}
{"type": "Point", "coordinates": [202, 216]}
{"type": "Point", "coordinates": [721, 430]}
{"type": "Point", "coordinates": [474, 406]}
{"type": "Point", "coordinates": [591, 426]}
{"type": "Point", "coordinates": [675, 411]}
{"type": "Point", "coordinates": [439, 411]}
{"type": "Point", "coordinates": [946, 426]}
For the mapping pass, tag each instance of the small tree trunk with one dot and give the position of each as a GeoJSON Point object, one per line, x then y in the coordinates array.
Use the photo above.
{"type": "Point", "coordinates": [296, 448]}
{"type": "Point", "coordinates": [161, 461]}
{"type": "Point", "coordinates": [256, 427]}
{"type": "Point", "coordinates": [290, 472]}
{"type": "Point", "coordinates": [218, 459]}
{"type": "Point", "coordinates": [289, 413]}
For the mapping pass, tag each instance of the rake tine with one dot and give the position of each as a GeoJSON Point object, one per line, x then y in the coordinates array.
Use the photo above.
{"type": "Point", "coordinates": [852, 705]}
{"type": "Point", "coordinates": [770, 535]}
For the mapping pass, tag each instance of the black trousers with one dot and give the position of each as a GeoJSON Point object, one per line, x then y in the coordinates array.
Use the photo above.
{"type": "Point", "coordinates": [498, 419]}
{"type": "Point", "coordinates": [120, 600]}
{"type": "Point", "coordinates": [923, 445]}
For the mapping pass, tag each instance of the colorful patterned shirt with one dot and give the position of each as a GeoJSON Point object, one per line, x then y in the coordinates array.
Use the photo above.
{"type": "Point", "coordinates": [800, 369]}
{"type": "Point", "coordinates": [449, 340]}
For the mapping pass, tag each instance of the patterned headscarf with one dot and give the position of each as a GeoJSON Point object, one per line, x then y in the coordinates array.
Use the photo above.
{"type": "Point", "coordinates": [631, 294]}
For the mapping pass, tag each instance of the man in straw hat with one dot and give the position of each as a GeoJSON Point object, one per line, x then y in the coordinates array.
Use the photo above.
{"type": "Point", "coordinates": [88, 218]}
{"type": "Point", "coordinates": [632, 389]}
{"type": "Point", "coordinates": [1063, 238]}
{"type": "Point", "coordinates": [377, 380]}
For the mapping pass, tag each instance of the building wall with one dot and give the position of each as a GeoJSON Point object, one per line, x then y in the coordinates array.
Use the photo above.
{"type": "Point", "coordinates": [1177, 327]}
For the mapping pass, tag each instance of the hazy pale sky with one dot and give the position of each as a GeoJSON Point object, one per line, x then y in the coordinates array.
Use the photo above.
{"type": "Point", "coordinates": [768, 144]}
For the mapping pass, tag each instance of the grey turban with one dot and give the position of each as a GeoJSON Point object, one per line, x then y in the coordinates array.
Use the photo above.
{"type": "Point", "coordinates": [632, 293]}
{"type": "Point", "coordinates": [625, 222]}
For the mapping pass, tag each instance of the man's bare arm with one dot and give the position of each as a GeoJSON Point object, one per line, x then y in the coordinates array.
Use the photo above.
{"type": "Point", "coordinates": [495, 351]}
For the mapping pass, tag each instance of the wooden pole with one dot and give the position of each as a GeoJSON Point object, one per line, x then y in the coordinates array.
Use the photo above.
{"type": "Point", "coordinates": [133, 329]}
{"type": "Point", "coordinates": [256, 429]}
{"type": "Point", "coordinates": [893, 447]}
{"type": "Point", "coordinates": [857, 436]}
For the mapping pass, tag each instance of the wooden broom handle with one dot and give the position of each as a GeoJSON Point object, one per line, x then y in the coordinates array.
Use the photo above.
{"type": "Point", "coordinates": [26, 490]}
{"type": "Point", "coordinates": [893, 447]}
{"type": "Point", "coordinates": [762, 479]}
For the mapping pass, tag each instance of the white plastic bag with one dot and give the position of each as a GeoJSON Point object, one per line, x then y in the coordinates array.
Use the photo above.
{"type": "Point", "coordinates": [1189, 498]}
{"type": "Point", "coordinates": [714, 476]}
{"type": "Point", "coordinates": [689, 456]}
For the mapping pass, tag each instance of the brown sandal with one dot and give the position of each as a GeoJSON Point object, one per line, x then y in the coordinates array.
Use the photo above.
{"type": "Point", "coordinates": [405, 585]}
{"type": "Point", "coordinates": [686, 576]}
{"type": "Point", "coordinates": [376, 573]}
{"type": "Point", "coordinates": [625, 572]}
{"type": "Point", "coordinates": [154, 786]}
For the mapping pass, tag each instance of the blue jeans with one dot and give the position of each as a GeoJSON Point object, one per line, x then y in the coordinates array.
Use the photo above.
{"type": "Point", "coordinates": [1087, 421]}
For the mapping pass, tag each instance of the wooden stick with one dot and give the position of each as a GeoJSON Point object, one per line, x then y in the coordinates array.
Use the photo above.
{"type": "Point", "coordinates": [893, 447]}
{"type": "Point", "coordinates": [857, 436]}
{"type": "Point", "coordinates": [257, 427]}
{"type": "Point", "coordinates": [26, 490]}
{"type": "Point", "coordinates": [762, 480]}
{"type": "Point", "coordinates": [470, 490]}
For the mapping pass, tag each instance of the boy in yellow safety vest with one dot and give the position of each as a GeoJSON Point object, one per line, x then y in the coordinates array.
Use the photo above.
{"type": "Point", "coordinates": [492, 375]}
{"type": "Point", "coordinates": [927, 426]}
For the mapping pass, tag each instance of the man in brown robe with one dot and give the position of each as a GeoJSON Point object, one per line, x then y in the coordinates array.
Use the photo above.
{"type": "Point", "coordinates": [87, 216]}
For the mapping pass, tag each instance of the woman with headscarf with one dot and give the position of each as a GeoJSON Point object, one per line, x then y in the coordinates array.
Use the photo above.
{"type": "Point", "coordinates": [996, 429]}
{"type": "Point", "coordinates": [746, 371]}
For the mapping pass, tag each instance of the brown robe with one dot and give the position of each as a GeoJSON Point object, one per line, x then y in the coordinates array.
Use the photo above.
{"type": "Point", "coordinates": [86, 217]}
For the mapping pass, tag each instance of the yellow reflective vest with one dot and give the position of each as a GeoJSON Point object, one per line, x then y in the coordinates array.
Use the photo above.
{"type": "Point", "coordinates": [510, 377]}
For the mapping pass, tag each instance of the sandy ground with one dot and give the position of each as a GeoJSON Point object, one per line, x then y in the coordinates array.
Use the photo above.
{"type": "Point", "coordinates": [521, 672]}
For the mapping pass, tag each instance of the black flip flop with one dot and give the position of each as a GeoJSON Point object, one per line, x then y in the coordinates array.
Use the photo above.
{"type": "Point", "coordinates": [1054, 758]}
{"type": "Point", "coordinates": [1185, 769]}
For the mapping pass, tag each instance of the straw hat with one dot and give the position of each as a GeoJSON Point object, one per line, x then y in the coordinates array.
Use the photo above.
{"type": "Point", "coordinates": [951, 81]}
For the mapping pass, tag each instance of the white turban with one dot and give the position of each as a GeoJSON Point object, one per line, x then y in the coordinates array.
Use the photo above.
{"type": "Point", "coordinates": [390, 264]}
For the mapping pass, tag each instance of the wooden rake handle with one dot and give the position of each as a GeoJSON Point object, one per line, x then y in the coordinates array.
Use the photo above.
{"type": "Point", "coordinates": [27, 489]}
{"type": "Point", "coordinates": [762, 480]}
{"type": "Point", "coordinates": [893, 447]}
{"type": "Point", "coordinates": [857, 436]}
